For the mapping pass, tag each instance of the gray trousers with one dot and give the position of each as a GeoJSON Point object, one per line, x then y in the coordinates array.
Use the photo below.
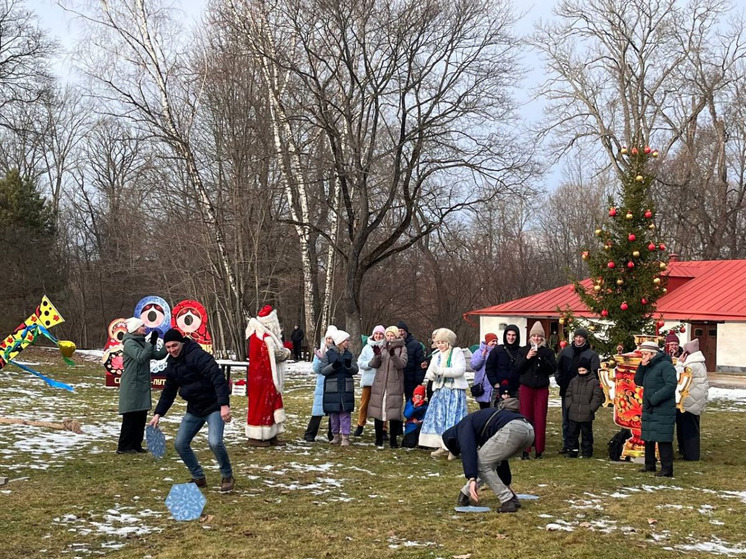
{"type": "Point", "coordinates": [508, 441]}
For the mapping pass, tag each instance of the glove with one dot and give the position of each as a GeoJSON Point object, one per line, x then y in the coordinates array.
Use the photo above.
{"type": "Point", "coordinates": [336, 365]}
{"type": "Point", "coordinates": [154, 337]}
{"type": "Point", "coordinates": [391, 351]}
{"type": "Point", "coordinates": [377, 349]}
{"type": "Point", "coordinates": [348, 362]}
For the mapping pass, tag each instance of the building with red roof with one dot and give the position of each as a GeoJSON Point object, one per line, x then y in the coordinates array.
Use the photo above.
{"type": "Point", "coordinates": [708, 297]}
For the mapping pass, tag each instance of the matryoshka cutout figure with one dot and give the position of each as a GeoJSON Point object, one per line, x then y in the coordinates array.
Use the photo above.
{"type": "Point", "coordinates": [156, 314]}
{"type": "Point", "coordinates": [190, 318]}
{"type": "Point", "coordinates": [113, 358]}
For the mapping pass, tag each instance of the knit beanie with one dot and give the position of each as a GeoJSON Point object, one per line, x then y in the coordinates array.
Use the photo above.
{"type": "Point", "coordinates": [403, 326]}
{"type": "Point", "coordinates": [537, 328]}
{"type": "Point", "coordinates": [649, 346]}
{"type": "Point", "coordinates": [173, 335]}
{"type": "Point", "coordinates": [445, 335]}
{"type": "Point", "coordinates": [584, 363]}
{"type": "Point", "coordinates": [490, 337]}
{"type": "Point", "coordinates": [419, 389]}
{"type": "Point", "coordinates": [133, 324]}
{"type": "Point", "coordinates": [582, 332]}
{"type": "Point", "coordinates": [330, 331]}
{"type": "Point", "coordinates": [340, 336]}
{"type": "Point", "coordinates": [392, 330]}
{"type": "Point", "coordinates": [382, 330]}
{"type": "Point", "coordinates": [671, 337]}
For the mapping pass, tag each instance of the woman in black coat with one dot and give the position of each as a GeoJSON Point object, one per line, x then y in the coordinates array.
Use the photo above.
{"type": "Point", "coordinates": [339, 387]}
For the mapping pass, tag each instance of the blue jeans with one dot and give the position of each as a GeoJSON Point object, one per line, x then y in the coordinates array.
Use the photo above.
{"type": "Point", "coordinates": [190, 426]}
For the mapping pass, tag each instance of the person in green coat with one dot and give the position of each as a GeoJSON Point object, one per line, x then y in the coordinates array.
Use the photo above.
{"type": "Point", "coordinates": [657, 377]}
{"type": "Point", "coordinates": [134, 387]}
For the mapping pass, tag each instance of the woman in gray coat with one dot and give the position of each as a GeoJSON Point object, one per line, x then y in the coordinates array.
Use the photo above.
{"type": "Point", "coordinates": [134, 387]}
{"type": "Point", "coordinates": [387, 392]}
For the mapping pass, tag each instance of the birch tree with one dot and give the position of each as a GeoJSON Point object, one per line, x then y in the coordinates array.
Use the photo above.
{"type": "Point", "coordinates": [413, 101]}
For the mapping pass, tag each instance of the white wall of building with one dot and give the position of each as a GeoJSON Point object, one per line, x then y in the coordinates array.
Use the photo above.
{"type": "Point", "coordinates": [497, 325]}
{"type": "Point", "coordinates": [731, 350]}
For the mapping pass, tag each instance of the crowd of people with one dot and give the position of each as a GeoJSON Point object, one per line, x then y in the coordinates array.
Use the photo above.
{"type": "Point", "coordinates": [419, 396]}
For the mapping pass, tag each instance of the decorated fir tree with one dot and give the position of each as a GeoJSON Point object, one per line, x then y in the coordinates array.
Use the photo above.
{"type": "Point", "coordinates": [627, 268]}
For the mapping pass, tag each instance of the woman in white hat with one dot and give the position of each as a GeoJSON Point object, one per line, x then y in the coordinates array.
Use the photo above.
{"type": "Point", "coordinates": [657, 377]}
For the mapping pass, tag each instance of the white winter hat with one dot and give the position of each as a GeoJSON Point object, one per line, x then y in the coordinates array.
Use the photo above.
{"type": "Point", "coordinates": [340, 336]}
{"type": "Point", "coordinates": [330, 331]}
{"type": "Point", "coordinates": [133, 323]}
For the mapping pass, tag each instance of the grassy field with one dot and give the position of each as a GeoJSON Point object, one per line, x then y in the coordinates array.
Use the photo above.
{"type": "Point", "coordinates": [72, 496]}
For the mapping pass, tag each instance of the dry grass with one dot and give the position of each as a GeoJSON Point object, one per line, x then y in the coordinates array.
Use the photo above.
{"type": "Point", "coordinates": [313, 501]}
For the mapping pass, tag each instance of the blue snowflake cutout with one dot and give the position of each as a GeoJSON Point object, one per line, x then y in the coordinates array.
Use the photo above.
{"type": "Point", "coordinates": [185, 501]}
{"type": "Point", "coordinates": [156, 441]}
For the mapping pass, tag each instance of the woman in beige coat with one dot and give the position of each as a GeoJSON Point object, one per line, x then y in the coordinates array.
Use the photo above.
{"type": "Point", "coordinates": [387, 392]}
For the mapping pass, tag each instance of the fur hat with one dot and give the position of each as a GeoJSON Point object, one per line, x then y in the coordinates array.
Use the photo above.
{"type": "Point", "coordinates": [330, 331]}
{"type": "Point", "coordinates": [489, 337]}
{"type": "Point", "coordinates": [133, 324]}
{"type": "Point", "coordinates": [692, 346]}
{"type": "Point", "coordinates": [173, 335]}
{"type": "Point", "coordinates": [582, 332]}
{"type": "Point", "coordinates": [445, 335]}
{"type": "Point", "coordinates": [381, 329]}
{"type": "Point", "coordinates": [267, 317]}
{"type": "Point", "coordinates": [340, 336]}
{"type": "Point", "coordinates": [648, 346]}
{"type": "Point", "coordinates": [392, 329]}
{"type": "Point", "coordinates": [403, 326]}
{"type": "Point", "coordinates": [537, 328]}
{"type": "Point", "coordinates": [671, 337]}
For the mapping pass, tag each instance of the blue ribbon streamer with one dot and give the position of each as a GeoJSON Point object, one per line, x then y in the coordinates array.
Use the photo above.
{"type": "Point", "coordinates": [51, 382]}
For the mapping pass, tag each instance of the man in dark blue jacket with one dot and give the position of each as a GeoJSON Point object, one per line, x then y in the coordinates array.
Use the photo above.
{"type": "Point", "coordinates": [196, 376]}
{"type": "Point", "coordinates": [486, 439]}
{"type": "Point", "coordinates": [414, 374]}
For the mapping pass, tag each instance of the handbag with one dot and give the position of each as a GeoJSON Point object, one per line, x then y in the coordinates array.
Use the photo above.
{"type": "Point", "coordinates": [477, 390]}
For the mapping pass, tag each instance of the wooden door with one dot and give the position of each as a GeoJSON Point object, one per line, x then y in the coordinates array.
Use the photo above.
{"type": "Point", "coordinates": [707, 332]}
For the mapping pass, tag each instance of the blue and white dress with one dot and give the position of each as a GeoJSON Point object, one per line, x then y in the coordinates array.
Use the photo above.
{"type": "Point", "coordinates": [448, 404]}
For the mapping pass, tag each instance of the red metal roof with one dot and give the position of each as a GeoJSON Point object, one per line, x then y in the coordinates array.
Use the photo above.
{"type": "Point", "coordinates": [697, 290]}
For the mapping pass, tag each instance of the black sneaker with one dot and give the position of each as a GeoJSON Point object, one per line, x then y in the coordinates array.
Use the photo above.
{"type": "Point", "coordinates": [141, 450]}
{"type": "Point", "coordinates": [525, 456]}
{"type": "Point", "coordinates": [664, 474]}
{"type": "Point", "coordinates": [514, 499]}
{"type": "Point", "coordinates": [508, 506]}
{"type": "Point", "coordinates": [128, 451]}
{"type": "Point", "coordinates": [462, 500]}
{"type": "Point", "coordinates": [358, 432]}
{"type": "Point", "coordinates": [647, 469]}
{"type": "Point", "coordinates": [564, 451]}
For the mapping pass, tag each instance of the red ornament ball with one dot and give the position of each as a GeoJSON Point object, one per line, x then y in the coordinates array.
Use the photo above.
{"type": "Point", "coordinates": [624, 306]}
{"type": "Point", "coordinates": [604, 313]}
{"type": "Point", "coordinates": [634, 151]}
{"type": "Point", "coordinates": [644, 301]}
{"type": "Point", "coordinates": [648, 214]}
{"type": "Point", "coordinates": [682, 329]}
{"type": "Point", "coordinates": [630, 264]}
{"type": "Point", "coordinates": [611, 265]}
{"type": "Point", "coordinates": [651, 246]}
{"type": "Point", "coordinates": [647, 149]}
{"type": "Point", "coordinates": [662, 246]}
{"type": "Point", "coordinates": [631, 237]}
{"type": "Point", "coordinates": [612, 212]}
{"type": "Point", "coordinates": [563, 343]}
{"type": "Point", "coordinates": [661, 323]}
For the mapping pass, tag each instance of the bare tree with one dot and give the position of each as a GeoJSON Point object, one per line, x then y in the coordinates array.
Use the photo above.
{"type": "Point", "coordinates": [413, 101]}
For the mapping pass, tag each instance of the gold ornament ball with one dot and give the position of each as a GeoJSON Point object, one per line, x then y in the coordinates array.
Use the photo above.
{"type": "Point", "coordinates": [664, 290]}
{"type": "Point", "coordinates": [592, 328]}
{"type": "Point", "coordinates": [624, 150]}
{"type": "Point", "coordinates": [639, 178]}
{"type": "Point", "coordinates": [598, 232]}
{"type": "Point", "coordinates": [651, 226]}
{"type": "Point", "coordinates": [629, 215]}
{"type": "Point", "coordinates": [657, 281]}
{"type": "Point", "coordinates": [620, 281]}
{"type": "Point", "coordinates": [636, 254]}
{"type": "Point", "coordinates": [663, 266]}
{"type": "Point", "coordinates": [596, 288]}
{"type": "Point", "coordinates": [607, 247]}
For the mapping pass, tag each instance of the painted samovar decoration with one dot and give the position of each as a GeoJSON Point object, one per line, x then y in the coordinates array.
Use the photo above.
{"type": "Point", "coordinates": [617, 377]}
